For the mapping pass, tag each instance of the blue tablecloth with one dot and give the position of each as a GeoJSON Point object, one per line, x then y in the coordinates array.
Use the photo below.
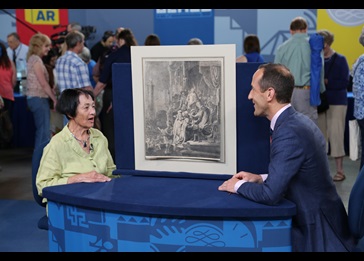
{"type": "Point", "coordinates": [23, 123]}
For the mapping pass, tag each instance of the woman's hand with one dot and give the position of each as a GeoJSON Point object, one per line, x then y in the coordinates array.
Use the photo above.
{"type": "Point", "coordinates": [88, 177]}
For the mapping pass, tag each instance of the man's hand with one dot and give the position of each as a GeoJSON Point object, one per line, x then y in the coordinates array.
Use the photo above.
{"type": "Point", "coordinates": [229, 185]}
{"type": "Point", "coordinates": [249, 177]}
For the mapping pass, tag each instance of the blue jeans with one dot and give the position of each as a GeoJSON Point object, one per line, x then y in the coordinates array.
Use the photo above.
{"type": "Point", "coordinates": [42, 118]}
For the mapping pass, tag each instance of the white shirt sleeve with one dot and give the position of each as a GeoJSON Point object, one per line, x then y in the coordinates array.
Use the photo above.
{"type": "Point", "coordinates": [241, 182]}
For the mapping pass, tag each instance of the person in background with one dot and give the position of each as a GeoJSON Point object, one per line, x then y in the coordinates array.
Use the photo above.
{"type": "Point", "coordinates": [38, 89]}
{"type": "Point", "coordinates": [295, 53]}
{"type": "Point", "coordinates": [195, 41]}
{"type": "Point", "coordinates": [71, 71]}
{"type": "Point", "coordinates": [241, 59]}
{"type": "Point", "coordinates": [74, 26]}
{"type": "Point", "coordinates": [152, 39]}
{"type": "Point", "coordinates": [7, 79]}
{"type": "Point", "coordinates": [100, 62]}
{"type": "Point", "coordinates": [79, 153]}
{"type": "Point", "coordinates": [7, 84]}
{"type": "Point", "coordinates": [17, 52]}
{"type": "Point", "coordinates": [49, 61]}
{"type": "Point", "coordinates": [252, 49]}
{"type": "Point", "coordinates": [358, 94]}
{"type": "Point", "coordinates": [332, 121]}
{"type": "Point", "coordinates": [103, 45]}
{"type": "Point", "coordinates": [1, 107]}
{"type": "Point", "coordinates": [126, 39]}
{"type": "Point", "coordinates": [298, 169]}
{"type": "Point", "coordinates": [71, 27]}
{"type": "Point", "coordinates": [86, 57]}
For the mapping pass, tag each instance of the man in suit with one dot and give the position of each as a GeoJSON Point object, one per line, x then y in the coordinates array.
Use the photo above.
{"type": "Point", "coordinates": [298, 168]}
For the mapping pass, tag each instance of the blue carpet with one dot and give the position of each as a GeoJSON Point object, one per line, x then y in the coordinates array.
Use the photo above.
{"type": "Point", "coordinates": [18, 227]}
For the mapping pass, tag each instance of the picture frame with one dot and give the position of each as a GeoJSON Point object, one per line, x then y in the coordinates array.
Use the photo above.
{"type": "Point", "coordinates": [184, 104]}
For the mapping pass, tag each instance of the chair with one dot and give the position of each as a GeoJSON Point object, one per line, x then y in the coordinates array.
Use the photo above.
{"type": "Point", "coordinates": [37, 155]}
{"type": "Point", "coordinates": [356, 210]}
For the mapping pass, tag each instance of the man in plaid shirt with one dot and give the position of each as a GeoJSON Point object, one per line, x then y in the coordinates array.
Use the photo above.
{"type": "Point", "coordinates": [71, 70]}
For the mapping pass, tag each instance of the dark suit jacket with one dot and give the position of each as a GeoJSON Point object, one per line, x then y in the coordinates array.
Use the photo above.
{"type": "Point", "coordinates": [299, 171]}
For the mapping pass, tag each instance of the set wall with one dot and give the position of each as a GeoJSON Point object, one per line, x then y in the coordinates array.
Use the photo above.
{"type": "Point", "coordinates": [230, 26]}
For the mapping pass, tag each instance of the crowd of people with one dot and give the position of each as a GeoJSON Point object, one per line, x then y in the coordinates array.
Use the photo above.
{"type": "Point", "coordinates": [76, 82]}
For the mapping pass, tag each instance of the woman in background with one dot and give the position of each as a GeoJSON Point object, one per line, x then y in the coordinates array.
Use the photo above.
{"type": "Point", "coordinates": [38, 89]}
{"type": "Point", "coordinates": [252, 49]}
{"type": "Point", "coordinates": [7, 84]}
{"type": "Point", "coordinates": [358, 93]}
{"type": "Point", "coordinates": [126, 39]}
{"type": "Point", "coordinates": [152, 39]}
{"type": "Point", "coordinates": [7, 79]}
{"type": "Point", "coordinates": [332, 121]}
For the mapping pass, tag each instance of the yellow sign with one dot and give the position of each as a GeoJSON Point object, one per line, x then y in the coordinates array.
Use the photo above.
{"type": "Point", "coordinates": [346, 25]}
{"type": "Point", "coordinates": [42, 16]}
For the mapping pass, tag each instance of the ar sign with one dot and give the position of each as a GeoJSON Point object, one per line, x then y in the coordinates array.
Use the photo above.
{"type": "Point", "coordinates": [42, 16]}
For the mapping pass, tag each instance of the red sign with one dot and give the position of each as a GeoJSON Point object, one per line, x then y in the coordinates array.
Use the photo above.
{"type": "Point", "coordinates": [46, 21]}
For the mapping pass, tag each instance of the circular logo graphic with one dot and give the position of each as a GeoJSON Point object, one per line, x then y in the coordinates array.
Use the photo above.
{"type": "Point", "coordinates": [347, 17]}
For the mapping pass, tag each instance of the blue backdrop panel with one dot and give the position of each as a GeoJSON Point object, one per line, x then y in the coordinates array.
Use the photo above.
{"type": "Point", "coordinates": [123, 116]}
{"type": "Point", "coordinates": [253, 146]}
{"type": "Point", "coordinates": [252, 132]}
{"type": "Point", "coordinates": [177, 26]}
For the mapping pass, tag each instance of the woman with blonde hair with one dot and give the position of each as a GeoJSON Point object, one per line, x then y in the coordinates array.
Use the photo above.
{"type": "Point", "coordinates": [38, 89]}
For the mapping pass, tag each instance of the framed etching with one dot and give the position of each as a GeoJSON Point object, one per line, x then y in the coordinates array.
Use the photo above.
{"type": "Point", "coordinates": [184, 108]}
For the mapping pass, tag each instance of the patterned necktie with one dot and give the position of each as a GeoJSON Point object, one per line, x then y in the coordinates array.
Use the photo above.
{"type": "Point", "coordinates": [270, 136]}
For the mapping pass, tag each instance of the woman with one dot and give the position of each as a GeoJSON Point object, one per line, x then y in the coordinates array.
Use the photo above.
{"type": "Point", "coordinates": [358, 93]}
{"type": "Point", "coordinates": [252, 49]}
{"type": "Point", "coordinates": [79, 152]}
{"type": "Point", "coordinates": [152, 39]}
{"type": "Point", "coordinates": [332, 121]}
{"type": "Point", "coordinates": [7, 84]}
{"type": "Point", "coordinates": [7, 79]}
{"type": "Point", "coordinates": [50, 64]}
{"type": "Point", "coordinates": [126, 39]}
{"type": "Point", "coordinates": [38, 89]}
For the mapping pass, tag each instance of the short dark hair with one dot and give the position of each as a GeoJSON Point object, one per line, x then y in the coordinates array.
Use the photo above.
{"type": "Point", "coordinates": [251, 44]}
{"type": "Point", "coordinates": [152, 39]}
{"type": "Point", "coordinates": [298, 23]}
{"type": "Point", "coordinates": [280, 78]}
{"type": "Point", "coordinates": [15, 34]}
{"type": "Point", "coordinates": [70, 99]}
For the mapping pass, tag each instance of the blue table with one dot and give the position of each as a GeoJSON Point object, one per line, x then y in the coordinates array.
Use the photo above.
{"type": "Point", "coordinates": [163, 214]}
{"type": "Point", "coordinates": [23, 123]}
